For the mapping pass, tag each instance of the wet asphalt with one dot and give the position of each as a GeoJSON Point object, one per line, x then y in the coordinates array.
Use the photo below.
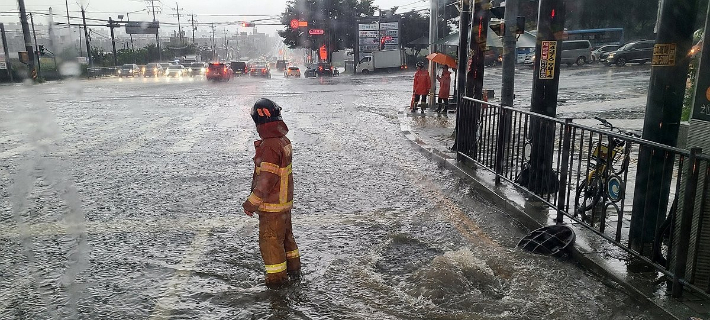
{"type": "Point", "coordinates": [121, 199]}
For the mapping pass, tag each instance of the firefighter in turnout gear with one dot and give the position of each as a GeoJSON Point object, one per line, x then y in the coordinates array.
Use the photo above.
{"type": "Point", "coordinates": [272, 194]}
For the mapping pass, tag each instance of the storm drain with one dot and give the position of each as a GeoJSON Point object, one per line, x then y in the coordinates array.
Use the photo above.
{"type": "Point", "coordinates": [549, 240]}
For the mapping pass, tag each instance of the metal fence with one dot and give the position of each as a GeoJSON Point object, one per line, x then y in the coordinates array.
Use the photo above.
{"type": "Point", "coordinates": [589, 175]}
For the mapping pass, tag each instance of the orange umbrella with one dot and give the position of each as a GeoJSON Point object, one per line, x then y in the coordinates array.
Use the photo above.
{"type": "Point", "coordinates": [441, 58]}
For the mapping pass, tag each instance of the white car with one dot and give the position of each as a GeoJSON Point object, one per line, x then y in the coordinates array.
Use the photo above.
{"type": "Point", "coordinates": [175, 70]}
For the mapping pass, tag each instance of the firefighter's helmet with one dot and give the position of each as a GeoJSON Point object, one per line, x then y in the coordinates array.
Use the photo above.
{"type": "Point", "coordinates": [265, 111]}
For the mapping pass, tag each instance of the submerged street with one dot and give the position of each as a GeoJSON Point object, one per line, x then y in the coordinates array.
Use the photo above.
{"type": "Point", "coordinates": [121, 199]}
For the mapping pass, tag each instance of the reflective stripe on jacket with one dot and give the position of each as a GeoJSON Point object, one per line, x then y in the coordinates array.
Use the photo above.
{"type": "Point", "coordinates": [272, 183]}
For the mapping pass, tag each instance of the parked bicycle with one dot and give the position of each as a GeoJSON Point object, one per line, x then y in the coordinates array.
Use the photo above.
{"type": "Point", "coordinates": [605, 172]}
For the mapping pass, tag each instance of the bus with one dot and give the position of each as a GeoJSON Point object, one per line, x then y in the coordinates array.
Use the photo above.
{"type": "Point", "coordinates": [598, 37]}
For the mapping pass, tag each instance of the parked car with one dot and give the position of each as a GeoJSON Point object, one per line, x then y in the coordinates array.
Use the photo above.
{"type": "Point", "coordinates": [600, 54]}
{"type": "Point", "coordinates": [576, 51]}
{"type": "Point", "coordinates": [218, 71]}
{"type": "Point", "coordinates": [129, 70]}
{"type": "Point", "coordinates": [638, 51]}
{"type": "Point", "coordinates": [153, 70]}
{"type": "Point", "coordinates": [239, 67]}
{"type": "Point", "coordinates": [259, 70]}
{"type": "Point", "coordinates": [292, 71]}
{"type": "Point", "coordinates": [175, 70]}
{"type": "Point", "coordinates": [197, 68]}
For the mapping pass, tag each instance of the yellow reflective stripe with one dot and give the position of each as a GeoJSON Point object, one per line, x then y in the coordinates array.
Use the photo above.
{"type": "Point", "coordinates": [292, 254]}
{"type": "Point", "coordinates": [276, 268]}
{"type": "Point", "coordinates": [275, 207]}
{"type": "Point", "coordinates": [270, 167]}
{"type": "Point", "coordinates": [283, 189]}
{"type": "Point", "coordinates": [255, 200]}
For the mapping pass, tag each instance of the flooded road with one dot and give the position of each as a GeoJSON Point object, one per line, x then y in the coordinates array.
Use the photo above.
{"type": "Point", "coordinates": [121, 199]}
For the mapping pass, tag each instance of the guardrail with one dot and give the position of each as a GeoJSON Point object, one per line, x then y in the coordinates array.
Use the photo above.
{"type": "Point", "coordinates": [589, 175]}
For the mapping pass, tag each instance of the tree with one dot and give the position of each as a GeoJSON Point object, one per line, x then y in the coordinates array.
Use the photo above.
{"type": "Point", "coordinates": [414, 26]}
{"type": "Point", "coordinates": [338, 18]}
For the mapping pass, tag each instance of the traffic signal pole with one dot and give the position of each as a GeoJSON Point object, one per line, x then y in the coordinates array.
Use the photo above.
{"type": "Point", "coordinates": [474, 79]}
{"type": "Point", "coordinates": [669, 70]}
{"type": "Point", "coordinates": [34, 36]}
{"type": "Point", "coordinates": [540, 178]}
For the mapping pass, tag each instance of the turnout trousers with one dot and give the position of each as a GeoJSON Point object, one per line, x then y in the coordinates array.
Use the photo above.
{"type": "Point", "coordinates": [278, 247]}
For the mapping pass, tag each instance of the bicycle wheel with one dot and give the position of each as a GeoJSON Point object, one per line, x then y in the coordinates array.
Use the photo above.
{"type": "Point", "coordinates": [588, 194]}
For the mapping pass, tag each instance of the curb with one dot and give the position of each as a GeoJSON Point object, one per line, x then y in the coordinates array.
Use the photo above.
{"type": "Point", "coordinates": [528, 219]}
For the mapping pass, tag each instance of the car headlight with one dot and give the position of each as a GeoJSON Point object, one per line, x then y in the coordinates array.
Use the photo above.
{"type": "Point", "coordinates": [119, 71]}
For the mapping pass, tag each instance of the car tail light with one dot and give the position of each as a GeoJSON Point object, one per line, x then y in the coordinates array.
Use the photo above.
{"type": "Point", "coordinates": [263, 70]}
{"type": "Point", "coordinates": [225, 70]}
{"type": "Point", "coordinates": [320, 68]}
{"type": "Point", "coordinates": [331, 68]}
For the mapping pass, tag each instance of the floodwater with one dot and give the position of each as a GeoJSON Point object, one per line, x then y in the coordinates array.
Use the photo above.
{"type": "Point", "coordinates": [121, 199]}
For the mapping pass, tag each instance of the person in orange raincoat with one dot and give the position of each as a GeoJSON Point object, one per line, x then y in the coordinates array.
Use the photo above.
{"type": "Point", "coordinates": [422, 84]}
{"type": "Point", "coordinates": [444, 84]}
{"type": "Point", "coordinates": [272, 194]}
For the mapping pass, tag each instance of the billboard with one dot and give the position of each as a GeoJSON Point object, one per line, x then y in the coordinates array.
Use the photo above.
{"type": "Point", "coordinates": [377, 36]}
{"type": "Point", "coordinates": [142, 27]}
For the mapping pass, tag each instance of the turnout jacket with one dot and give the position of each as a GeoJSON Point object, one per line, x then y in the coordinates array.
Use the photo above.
{"type": "Point", "coordinates": [272, 181]}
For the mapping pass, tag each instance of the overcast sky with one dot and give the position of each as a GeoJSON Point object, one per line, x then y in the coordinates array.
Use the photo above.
{"type": "Point", "coordinates": [205, 10]}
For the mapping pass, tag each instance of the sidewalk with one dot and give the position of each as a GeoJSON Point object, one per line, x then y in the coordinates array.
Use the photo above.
{"type": "Point", "coordinates": [433, 133]}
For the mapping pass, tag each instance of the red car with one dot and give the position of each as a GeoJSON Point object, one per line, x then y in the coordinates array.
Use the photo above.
{"type": "Point", "coordinates": [218, 71]}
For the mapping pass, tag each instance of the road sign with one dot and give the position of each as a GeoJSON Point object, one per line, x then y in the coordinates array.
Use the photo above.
{"type": "Point", "coordinates": [547, 60]}
{"type": "Point", "coordinates": [316, 31]}
{"type": "Point", "coordinates": [302, 24]}
{"type": "Point", "coordinates": [142, 27]}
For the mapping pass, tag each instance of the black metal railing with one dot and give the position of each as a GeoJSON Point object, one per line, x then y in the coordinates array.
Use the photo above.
{"type": "Point", "coordinates": [589, 175]}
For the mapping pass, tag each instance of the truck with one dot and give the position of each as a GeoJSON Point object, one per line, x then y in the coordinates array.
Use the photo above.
{"type": "Point", "coordinates": [381, 60]}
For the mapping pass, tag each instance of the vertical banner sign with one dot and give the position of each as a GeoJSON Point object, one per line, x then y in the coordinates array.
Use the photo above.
{"type": "Point", "coordinates": [3, 62]}
{"type": "Point", "coordinates": [547, 60]}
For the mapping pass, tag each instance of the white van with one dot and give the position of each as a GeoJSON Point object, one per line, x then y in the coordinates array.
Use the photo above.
{"type": "Point", "coordinates": [576, 51]}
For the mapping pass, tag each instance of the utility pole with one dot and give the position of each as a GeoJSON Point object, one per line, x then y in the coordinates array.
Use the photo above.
{"type": "Point", "coordinates": [66, 2]}
{"type": "Point", "coordinates": [213, 44]}
{"type": "Point", "coordinates": [27, 38]}
{"type": "Point", "coordinates": [464, 21]}
{"type": "Point", "coordinates": [86, 35]}
{"type": "Point", "coordinates": [177, 11]}
{"type": "Point", "coordinates": [157, 33]}
{"type": "Point", "coordinates": [7, 54]}
{"type": "Point", "coordinates": [192, 21]}
{"type": "Point", "coordinates": [541, 178]}
{"type": "Point", "coordinates": [34, 35]}
{"type": "Point", "coordinates": [433, 37]}
{"type": "Point", "coordinates": [669, 69]}
{"type": "Point", "coordinates": [113, 42]}
{"type": "Point", "coordinates": [509, 53]}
